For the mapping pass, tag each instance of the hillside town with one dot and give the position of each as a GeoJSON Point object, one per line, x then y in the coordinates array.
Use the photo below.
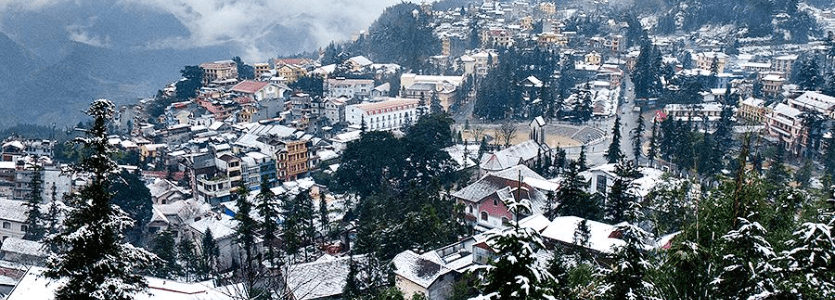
{"type": "Point", "coordinates": [606, 148]}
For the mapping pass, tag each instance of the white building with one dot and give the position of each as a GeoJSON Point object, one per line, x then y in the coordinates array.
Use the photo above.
{"type": "Point", "coordinates": [385, 115]}
{"type": "Point", "coordinates": [338, 87]}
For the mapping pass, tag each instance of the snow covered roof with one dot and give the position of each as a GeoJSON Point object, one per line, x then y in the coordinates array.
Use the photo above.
{"type": "Point", "coordinates": [418, 269]}
{"type": "Point", "coordinates": [21, 246]}
{"type": "Point", "coordinates": [221, 227]}
{"type": "Point", "coordinates": [562, 229]}
{"type": "Point", "coordinates": [12, 210]}
{"type": "Point", "coordinates": [34, 286]}
{"type": "Point", "coordinates": [318, 279]}
{"type": "Point", "coordinates": [511, 156]}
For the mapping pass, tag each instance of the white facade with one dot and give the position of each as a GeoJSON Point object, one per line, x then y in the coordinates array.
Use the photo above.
{"type": "Point", "coordinates": [386, 115]}
{"type": "Point", "coordinates": [361, 88]}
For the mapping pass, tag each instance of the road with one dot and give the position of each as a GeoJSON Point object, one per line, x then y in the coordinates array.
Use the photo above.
{"type": "Point", "coordinates": [596, 153]}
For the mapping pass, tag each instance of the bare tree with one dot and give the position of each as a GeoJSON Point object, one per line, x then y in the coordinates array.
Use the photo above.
{"type": "Point", "coordinates": [506, 133]}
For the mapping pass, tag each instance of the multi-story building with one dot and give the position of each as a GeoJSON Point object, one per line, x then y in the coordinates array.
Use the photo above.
{"type": "Point", "coordinates": [291, 159]}
{"type": "Point", "coordinates": [785, 126]}
{"type": "Point", "coordinates": [753, 111]}
{"type": "Point", "coordinates": [12, 218]}
{"type": "Point", "coordinates": [291, 72]}
{"type": "Point", "coordinates": [218, 187]}
{"type": "Point", "coordinates": [256, 167]}
{"type": "Point", "coordinates": [424, 86]}
{"type": "Point", "coordinates": [783, 64]}
{"type": "Point", "coordinates": [335, 109]}
{"type": "Point", "coordinates": [385, 115]}
{"type": "Point", "coordinates": [772, 85]}
{"type": "Point", "coordinates": [261, 69]}
{"type": "Point", "coordinates": [815, 102]}
{"type": "Point", "coordinates": [360, 88]}
{"type": "Point", "coordinates": [704, 60]}
{"type": "Point", "coordinates": [219, 71]}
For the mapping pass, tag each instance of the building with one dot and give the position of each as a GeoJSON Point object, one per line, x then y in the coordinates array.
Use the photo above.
{"type": "Point", "coordinates": [390, 114]}
{"type": "Point", "coordinates": [425, 86]}
{"type": "Point", "coordinates": [484, 200]}
{"type": "Point", "coordinates": [524, 153]}
{"type": "Point", "coordinates": [335, 109]}
{"type": "Point", "coordinates": [291, 72]}
{"type": "Point", "coordinates": [785, 127]}
{"type": "Point", "coordinates": [772, 85]}
{"type": "Point", "coordinates": [700, 114]}
{"type": "Point", "coordinates": [815, 102]}
{"type": "Point", "coordinates": [417, 274]}
{"type": "Point", "coordinates": [704, 60]}
{"type": "Point", "coordinates": [320, 279]}
{"type": "Point", "coordinates": [258, 90]}
{"type": "Point", "coordinates": [753, 110]}
{"type": "Point", "coordinates": [783, 64]}
{"type": "Point", "coordinates": [13, 218]}
{"type": "Point", "coordinates": [218, 187]}
{"type": "Point", "coordinates": [262, 69]}
{"type": "Point", "coordinates": [341, 87]}
{"type": "Point", "coordinates": [219, 72]}
{"type": "Point", "coordinates": [601, 178]}
{"type": "Point", "coordinates": [35, 286]}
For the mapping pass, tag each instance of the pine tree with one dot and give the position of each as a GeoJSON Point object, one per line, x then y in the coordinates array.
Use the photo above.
{"type": "Point", "coordinates": [638, 138]}
{"type": "Point", "coordinates": [625, 279]}
{"type": "Point", "coordinates": [515, 274]}
{"type": "Point", "coordinates": [613, 154]}
{"type": "Point", "coordinates": [435, 104]}
{"type": "Point", "coordinates": [35, 230]}
{"type": "Point", "coordinates": [808, 75]}
{"type": "Point", "coordinates": [620, 196]}
{"type": "Point", "coordinates": [209, 253]}
{"type": "Point", "coordinates": [804, 175]}
{"type": "Point", "coordinates": [574, 200]}
{"type": "Point", "coordinates": [807, 265]}
{"type": "Point", "coordinates": [269, 208]}
{"type": "Point", "coordinates": [165, 249]}
{"type": "Point", "coordinates": [91, 258]}
{"type": "Point", "coordinates": [245, 237]}
{"type": "Point", "coordinates": [746, 261]}
{"type": "Point", "coordinates": [652, 153]}
{"type": "Point", "coordinates": [581, 161]}
{"type": "Point", "coordinates": [187, 255]}
{"type": "Point", "coordinates": [323, 211]}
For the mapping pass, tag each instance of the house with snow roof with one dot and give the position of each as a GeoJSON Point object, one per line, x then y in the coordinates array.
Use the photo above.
{"type": "Point", "coordinates": [259, 90]}
{"type": "Point", "coordinates": [601, 178]}
{"type": "Point", "coordinates": [523, 153]}
{"type": "Point", "coordinates": [484, 200]}
{"type": "Point", "coordinates": [25, 252]}
{"type": "Point", "coordinates": [321, 279]}
{"type": "Point", "coordinates": [419, 274]}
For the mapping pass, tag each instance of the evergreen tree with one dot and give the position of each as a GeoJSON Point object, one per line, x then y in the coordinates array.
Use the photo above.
{"type": "Point", "coordinates": [625, 279]}
{"type": "Point", "coordinates": [828, 158]}
{"type": "Point", "coordinates": [165, 249]}
{"type": "Point", "coordinates": [435, 104]}
{"type": "Point", "coordinates": [269, 208]}
{"type": "Point", "coordinates": [187, 88]}
{"type": "Point", "coordinates": [652, 153]}
{"type": "Point", "coordinates": [620, 196]}
{"type": "Point", "coordinates": [808, 75]}
{"type": "Point", "coordinates": [91, 257]}
{"type": "Point", "coordinates": [746, 261]}
{"type": "Point", "coordinates": [246, 228]}
{"type": "Point", "coordinates": [777, 175]}
{"type": "Point", "coordinates": [574, 200]}
{"type": "Point", "coordinates": [581, 161]}
{"type": "Point", "coordinates": [806, 266]}
{"type": "Point", "coordinates": [637, 138]}
{"type": "Point", "coordinates": [515, 274]}
{"type": "Point", "coordinates": [210, 252]}
{"type": "Point", "coordinates": [35, 229]}
{"type": "Point", "coordinates": [613, 154]}
{"type": "Point", "coordinates": [132, 196]}
{"type": "Point", "coordinates": [187, 255]}
{"type": "Point", "coordinates": [804, 175]}
{"type": "Point", "coordinates": [323, 211]}
{"type": "Point", "coordinates": [646, 73]}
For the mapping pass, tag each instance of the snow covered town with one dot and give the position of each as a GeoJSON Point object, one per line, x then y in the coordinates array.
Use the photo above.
{"type": "Point", "coordinates": [454, 150]}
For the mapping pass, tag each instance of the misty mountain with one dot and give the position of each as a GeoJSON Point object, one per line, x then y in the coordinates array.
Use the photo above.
{"type": "Point", "coordinates": [56, 58]}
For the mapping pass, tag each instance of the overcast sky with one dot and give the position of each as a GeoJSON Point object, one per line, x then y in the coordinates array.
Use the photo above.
{"type": "Point", "coordinates": [211, 22]}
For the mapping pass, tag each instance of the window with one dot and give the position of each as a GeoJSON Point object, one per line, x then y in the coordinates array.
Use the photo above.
{"type": "Point", "coordinates": [505, 220]}
{"type": "Point", "coordinates": [7, 225]}
{"type": "Point", "coordinates": [23, 228]}
{"type": "Point", "coordinates": [470, 209]}
{"type": "Point", "coordinates": [484, 216]}
{"type": "Point", "coordinates": [495, 202]}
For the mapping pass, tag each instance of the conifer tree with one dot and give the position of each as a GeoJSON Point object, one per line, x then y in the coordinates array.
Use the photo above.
{"type": "Point", "coordinates": [574, 200]}
{"type": "Point", "coordinates": [515, 274]}
{"type": "Point", "coordinates": [165, 249]}
{"type": "Point", "coordinates": [638, 138]}
{"type": "Point", "coordinates": [269, 208]}
{"type": "Point", "coordinates": [581, 161]}
{"type": "Point", "coordinates": [245, 237]}
{"type": "Point", "coordinates": [187, 255]}
{"type": "Point", "coordinates": [91, 256]}
{"type": "Point", "coordinates": [35, 229]}
{"type": "Point", "coordinates": [652, 153]}
{"type": "Point", "coordinates": [613, 154]}
{"type": "Point", "coordinates": [210, 252]}
{"type": "Point", "coordinates": [625, 279]}
{"type": "Point", "coordinates": [323, 211]}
